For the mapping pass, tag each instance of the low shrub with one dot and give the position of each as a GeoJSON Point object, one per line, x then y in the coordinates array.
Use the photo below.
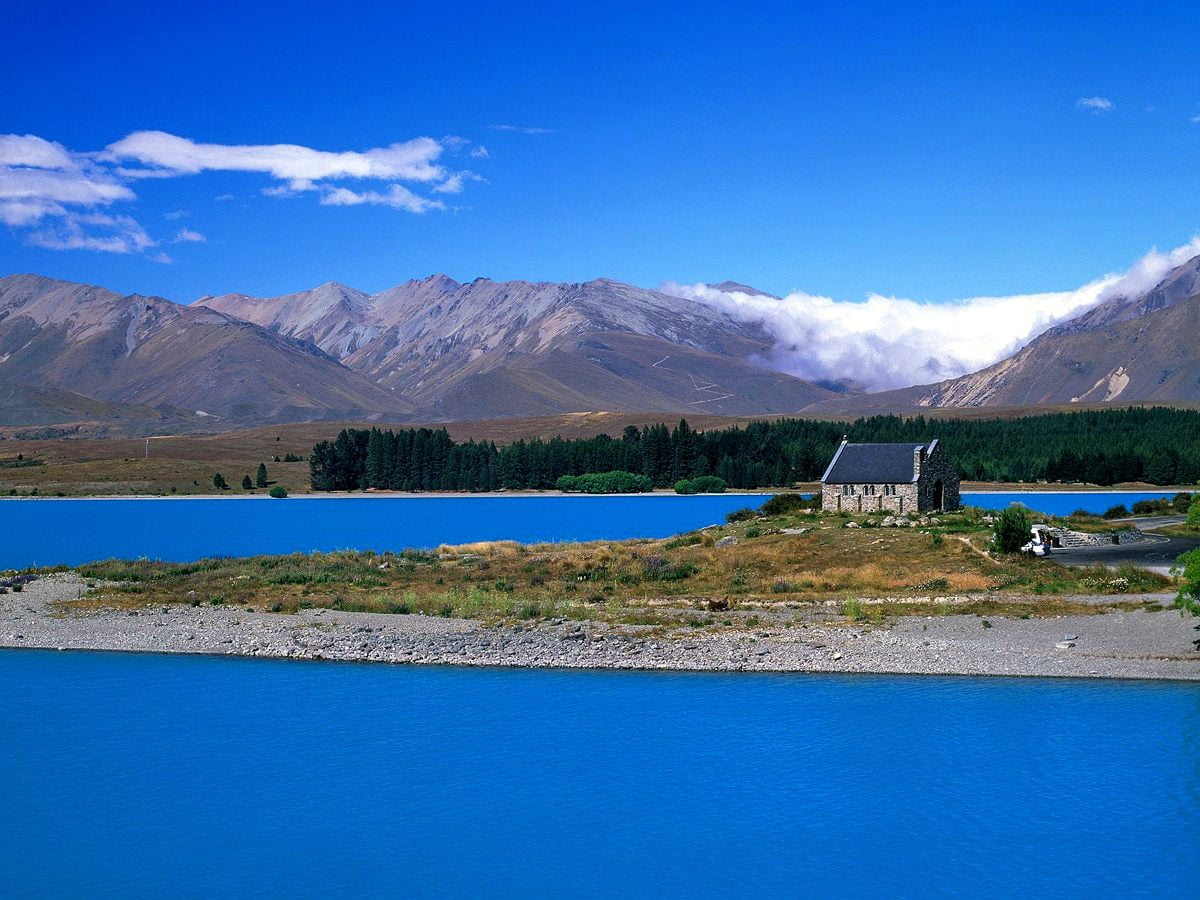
{"type": "Point", "coordinates": [616, 482]}
{"type": "Point", "coordinates": [278, 492]}
{"type": "Point", "coordinates": [741, 515]}
{"type": "Point", "coordinates": [704, 484]}
{"type": "Point", "coordinates": [659, 568]}
{"type": "Point", "coordinates": [1120, 511]}
{"type": "Point", "coordinates": [782, 504]}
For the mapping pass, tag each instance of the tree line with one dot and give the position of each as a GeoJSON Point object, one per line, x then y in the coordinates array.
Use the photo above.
{"type": "Point", "coordinates": [1158, 445]}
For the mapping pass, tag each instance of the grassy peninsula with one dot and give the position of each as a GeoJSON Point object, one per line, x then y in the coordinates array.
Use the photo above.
{"type": "Point", "coordinates": [790, 562]}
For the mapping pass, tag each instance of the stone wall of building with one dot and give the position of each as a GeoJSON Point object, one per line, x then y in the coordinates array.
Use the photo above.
{"type": "Point", "coordinates": [934, 468]}
{"type": "Point", "coordinates": [904, 500]}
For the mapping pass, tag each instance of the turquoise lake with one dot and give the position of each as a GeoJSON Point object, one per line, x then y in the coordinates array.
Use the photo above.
{"type": "Point", "coordinates": [157, 776]}
{"type": "Point", "coordinates": [49, 532]}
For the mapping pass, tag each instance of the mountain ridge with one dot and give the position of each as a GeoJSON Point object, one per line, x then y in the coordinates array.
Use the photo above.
{"type": "Point", "coordinates": [555, 347]}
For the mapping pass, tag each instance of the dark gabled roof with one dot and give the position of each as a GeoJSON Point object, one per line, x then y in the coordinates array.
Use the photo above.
{"type": "Point", "coordinates": [873, 464]}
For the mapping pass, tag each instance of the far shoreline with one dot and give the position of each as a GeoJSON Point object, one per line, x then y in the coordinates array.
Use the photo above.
{"type": "Point", "coordinates": [991, 488]}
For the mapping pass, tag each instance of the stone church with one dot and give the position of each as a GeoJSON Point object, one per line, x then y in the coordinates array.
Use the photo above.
{"type": "Point", "coordinates": [899, 478]}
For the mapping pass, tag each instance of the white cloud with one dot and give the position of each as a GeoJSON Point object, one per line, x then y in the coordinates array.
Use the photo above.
{"type": "Point", "coordinates": [188, 236]}
{"type": "Point", "coordinates": [1195, 120]}
{"type": "Point", "coordinates": [57, 194]}
{"type": "Point", "coordinates": [523, 129]}
{"type": "Point", "coordinates": [887, 342]}
{"type": "Point", "coordinates": [480, 152]}
{"type": "Point", "coordinates": [455, 183]}
{"type": "Point", "coordinates": [162, 152]}
{"type": "Point", "coordinates": [397, 197]}
{"type": "Point", "coordinates": [1096, 105]}
{"type": "Point", "coordinates": [39, 178]}
{"type": "Point", "coordinates": [34, 152]}
{"type": "Point", "coordinates": [221, 198]}
{"type": "Point", "coordinates": [176, 214]}
{"type": "Point", "coordinates": [93, 231]}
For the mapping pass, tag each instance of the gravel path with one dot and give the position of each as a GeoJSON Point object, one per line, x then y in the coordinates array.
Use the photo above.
{"type": "Point", "coordinates": [1136, 644]}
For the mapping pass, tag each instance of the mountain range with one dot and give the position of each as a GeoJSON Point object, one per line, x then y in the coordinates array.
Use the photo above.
{"type": "Point", "coordinates": [439, 350]}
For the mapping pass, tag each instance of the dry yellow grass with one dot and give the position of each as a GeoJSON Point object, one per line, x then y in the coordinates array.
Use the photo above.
{"type": "Point", "coordinates": [481, 548]}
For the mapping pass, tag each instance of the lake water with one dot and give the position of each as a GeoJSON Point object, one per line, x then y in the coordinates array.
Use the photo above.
{"type": "Point", "coordinates": [49, 532]}
{"type": "Point", "coordinates": [140, 775]}
{"type": "Point", "coordinates": [1062, 503]}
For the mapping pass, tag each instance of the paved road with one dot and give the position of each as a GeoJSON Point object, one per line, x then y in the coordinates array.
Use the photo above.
{"type": "Point", "coordinates": [1150, 523]}
{"type": "Point", "coordinates": [1157, 554]}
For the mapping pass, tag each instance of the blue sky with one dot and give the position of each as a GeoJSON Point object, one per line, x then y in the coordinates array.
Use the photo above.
{"type": "Point", "coordinates": [904, 149]}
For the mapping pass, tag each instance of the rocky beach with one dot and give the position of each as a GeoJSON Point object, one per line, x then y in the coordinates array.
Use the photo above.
{"type": "Point", "coordinates": [1154, 641]}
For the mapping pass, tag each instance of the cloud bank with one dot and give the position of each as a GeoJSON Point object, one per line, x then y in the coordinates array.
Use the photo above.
{"type": "Point", "coordinates": [60, 198]}
{"type": "Point", "coordinates": [889, 342]}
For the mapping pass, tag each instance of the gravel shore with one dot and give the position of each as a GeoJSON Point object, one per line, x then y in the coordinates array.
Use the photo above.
{"type": "Point", "coordinates": [1136, 644]}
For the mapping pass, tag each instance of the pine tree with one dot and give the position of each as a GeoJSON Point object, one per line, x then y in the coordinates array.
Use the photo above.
{"type": "Point", "coordinates": [683, 451]}
{"type": "Point", "coordinates": [260, 479]}
{"type": "Point", "coordinates": [247, 484]}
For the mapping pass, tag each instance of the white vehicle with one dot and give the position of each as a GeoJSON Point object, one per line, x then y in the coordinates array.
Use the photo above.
{"type": "Point", "coordinates": [1040, 544]}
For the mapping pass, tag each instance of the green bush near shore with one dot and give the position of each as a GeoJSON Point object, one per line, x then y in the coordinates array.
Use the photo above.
{"type": "Point", "coordinates": [1011, 529]}
{"type": "Point", "coordinates": [616, 482]}
{"type": "Point", "coordinates": [705, 484]}
{"type": "Point", "coordinates": [278, 492]}
{"type": "Point", "coordinates": [782, 504]}
{"type": "Point", "coordinates": [1188, 598]}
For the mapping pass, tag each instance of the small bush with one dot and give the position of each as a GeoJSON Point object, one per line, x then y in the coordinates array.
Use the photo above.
{"type": "Point", "coordinates": [782, 504]}
{"type": "Point", "coordinates": [741, 515]}
{"type": "Point", "coordinates": [658, 568]}
{"type": "Point", "coordinates": [852, 610]}
{"type": "Point", "coordinates": [278, 492]}
{"type": "Point", "coordinates": [1188, 567]}
{"type": "Point", "coordinates": [1011, 530]}
{"type": "Point", "coordinates": [1120, 511]}
{"type": "Point", "coordinates": [704, 484]}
